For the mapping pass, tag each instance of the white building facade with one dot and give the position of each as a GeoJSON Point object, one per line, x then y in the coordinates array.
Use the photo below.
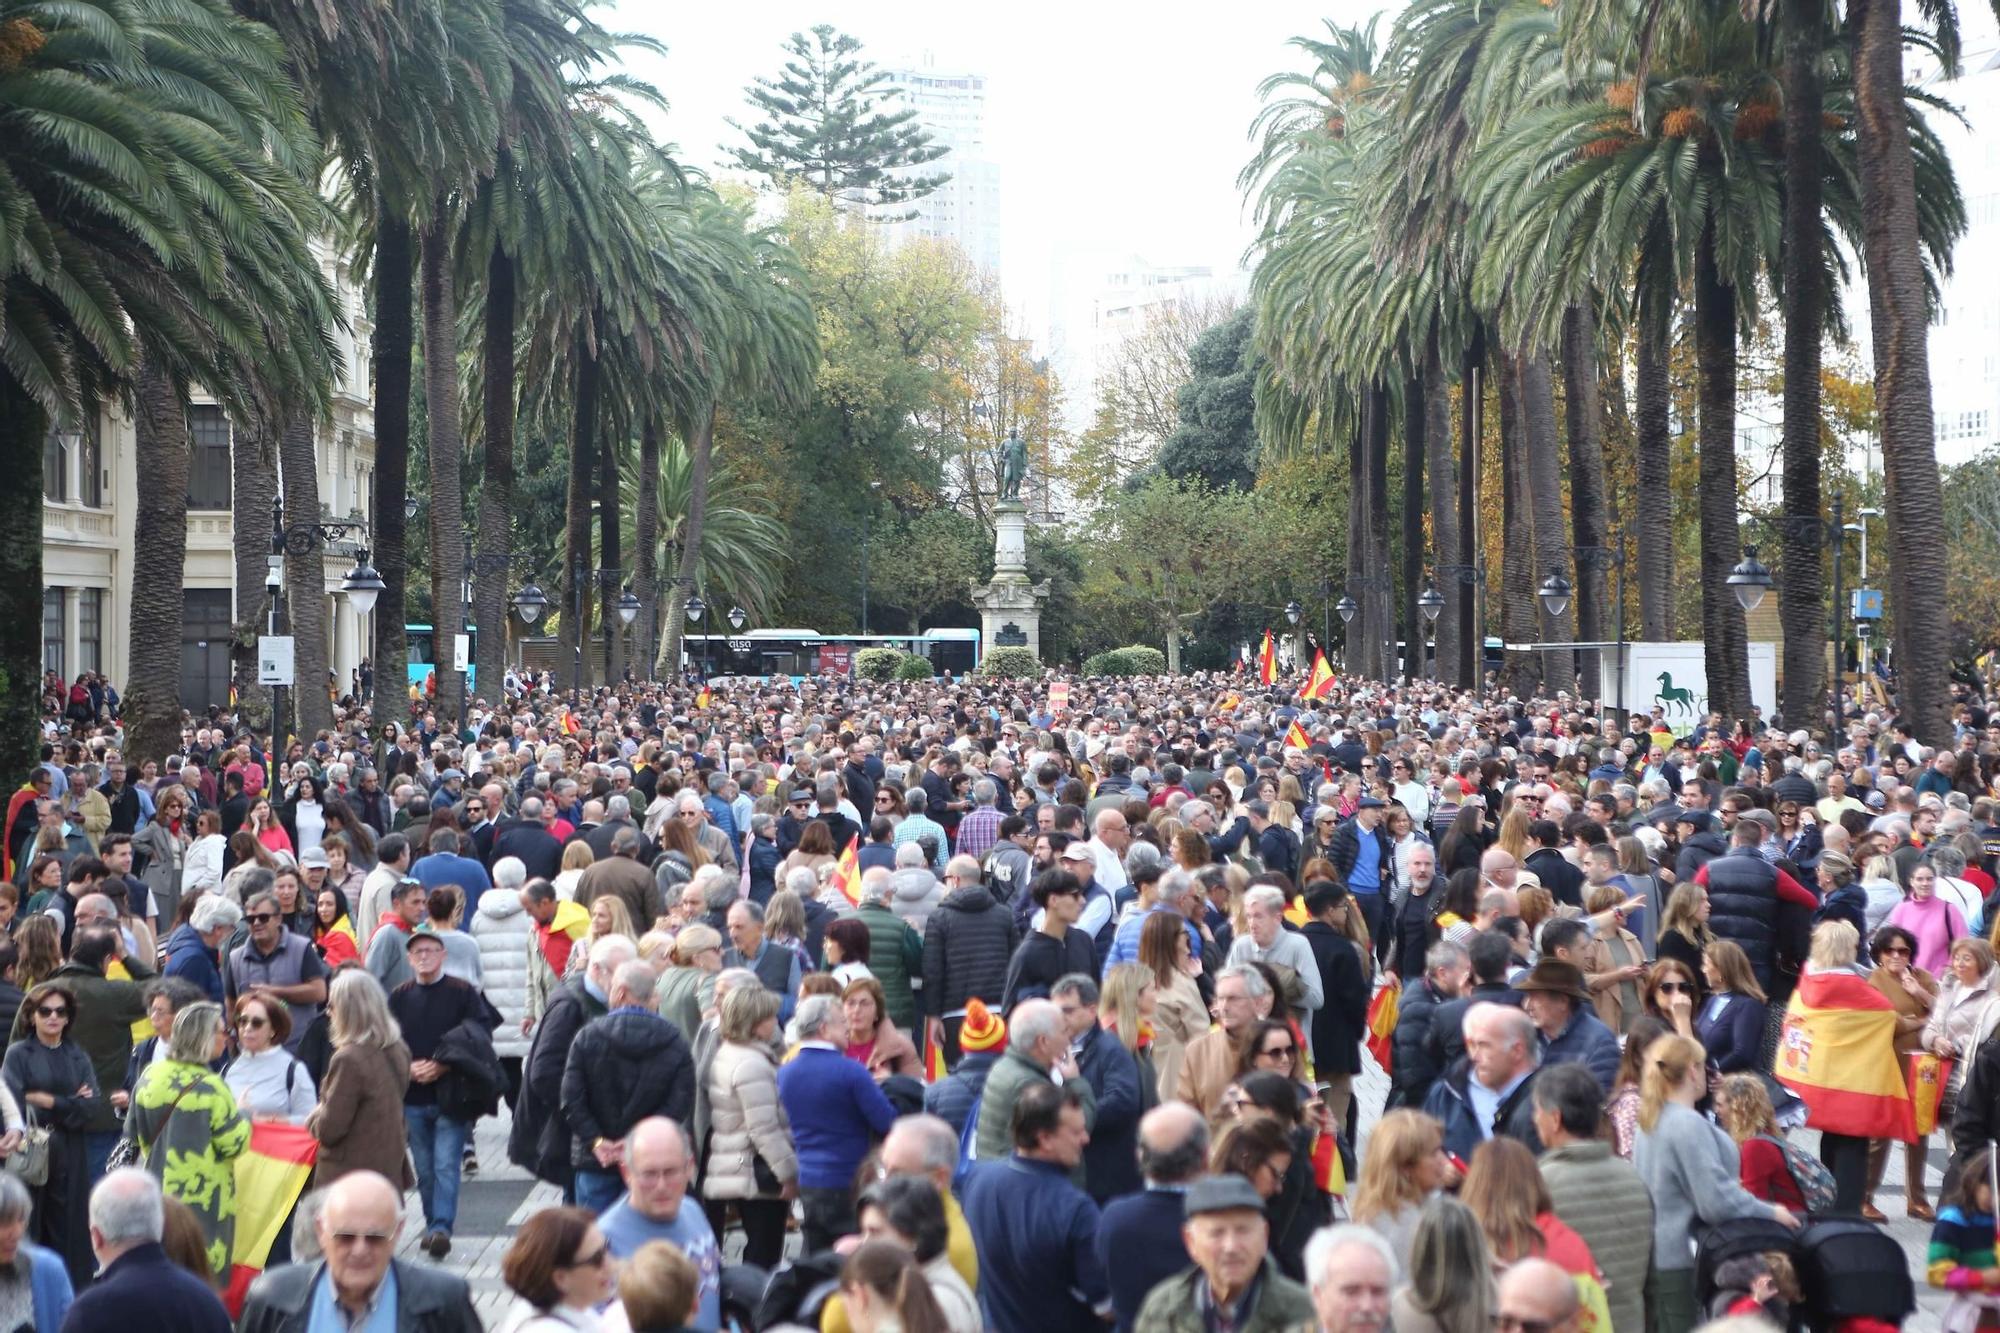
{"type": "Point", "coordinates": [90, 514]}
{"type": "Point", "coordinates": [965, 210]}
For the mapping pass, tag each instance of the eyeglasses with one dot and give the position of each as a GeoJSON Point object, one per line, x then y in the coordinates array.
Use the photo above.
{"type": "Point", "coordinates": [1279, 1052]}
{"type": "Point", "coordinates": [52, 1010]}
{"type": "Point", "coordinates": [259, 918]}
{"type": "Point", "coordinates": [1674, 987]}
{"type": "Point", "coordinates": [1893, 949]}
{"type": "Point", "coordinates": [371, 1239]}
{"type": "Point", "coordinates": [594, 1259]}
{"type": "Point", "coordinates": [1509, 1323]}
{"type": "Point", "coordinates": [250, 1022]}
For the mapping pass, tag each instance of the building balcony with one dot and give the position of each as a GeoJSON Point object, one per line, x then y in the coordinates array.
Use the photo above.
{"type": "Point", "coordinates": [78, 525]}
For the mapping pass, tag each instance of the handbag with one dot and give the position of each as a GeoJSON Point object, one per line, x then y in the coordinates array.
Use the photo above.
{"type": "Point", "coordinates": [126, 1152]}
{"type": "Point", "coordinates": [29, 1163]}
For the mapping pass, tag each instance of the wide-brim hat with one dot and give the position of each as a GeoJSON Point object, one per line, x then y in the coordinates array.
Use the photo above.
{"type": "Point", "coordinates": [1556, 977]}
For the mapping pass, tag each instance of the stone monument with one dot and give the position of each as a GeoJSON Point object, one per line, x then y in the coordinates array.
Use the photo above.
{"type": "Point", "coordinates": [1010, 607]}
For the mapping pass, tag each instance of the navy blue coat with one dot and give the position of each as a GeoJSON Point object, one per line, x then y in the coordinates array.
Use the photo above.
{"type": "Point", "coordinates": [1139, 1246]}
{"type": "Point", "coordinates": [1111, 1159]}
{"type": "Point", "coordinates": [144, 1279]}
{"type": "Point", "coordinates": [1735, 1038]}
{"type": "Point", "coordinates": [192, 960]}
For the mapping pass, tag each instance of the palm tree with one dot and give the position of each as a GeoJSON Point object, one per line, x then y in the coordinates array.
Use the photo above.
{"type": "Point", "coordinates": [151, 211]}
{"type": "Point", "coordinates": [744, 545]}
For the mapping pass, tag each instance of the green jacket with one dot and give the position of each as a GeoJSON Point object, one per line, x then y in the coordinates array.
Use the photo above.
{"type": "Point", "coordinates": [1282, 1305]}
{"type": "Point", "coordinates": [1011, 1073]}
{"type": "Point", "coordinates": [895, 956]}
{"type": "Point", "coordinates": [106, 1009]}
{"type": "Point", "coordinates": [1601, 1197]}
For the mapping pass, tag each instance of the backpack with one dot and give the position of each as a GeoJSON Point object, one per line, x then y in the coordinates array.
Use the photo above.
{"type": "Point", "coordinates": [1814, 1181]}
{"type": "Point", "coordinates": [968, 1144]}
{"type": "Point", "coordinates": [1852, 1269]}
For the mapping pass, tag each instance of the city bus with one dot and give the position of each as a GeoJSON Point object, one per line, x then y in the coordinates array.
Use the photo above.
{"type": "Point", "coordinates": [798, 653]}
{"type": "Point", "coordinates": [422, 641]}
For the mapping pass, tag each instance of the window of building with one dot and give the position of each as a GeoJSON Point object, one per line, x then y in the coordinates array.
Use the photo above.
{"type": "Point", "coordinates": [208, 473]}
{"type": "Point", "coordinates": [55, 467]}
{"type": "Point", "coordinates": [90, 467]}
{"type": "Point", "coordinates": [52, 632]}
{"type": "Point", "coordinates": [89, 629]}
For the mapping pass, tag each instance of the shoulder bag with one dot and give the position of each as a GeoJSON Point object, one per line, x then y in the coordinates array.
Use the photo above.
{"type": "Point", "coordinates": [29, 1163]}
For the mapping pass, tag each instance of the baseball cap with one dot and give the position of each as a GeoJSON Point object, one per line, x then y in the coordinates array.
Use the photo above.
{"type": "Point", "coordinates": [313, 856]}
{"type": "Point", "coordinates": [1223, 1194]}
{"type": "Point", "coordinates": [1079, 851]}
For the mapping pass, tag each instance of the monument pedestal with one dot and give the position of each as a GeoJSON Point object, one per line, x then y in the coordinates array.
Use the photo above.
{"type": "Point", "coordinates": [1010, 607]}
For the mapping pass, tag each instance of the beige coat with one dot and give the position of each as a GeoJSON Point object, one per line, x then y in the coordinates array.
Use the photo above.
{"type": "Point", "coordinates": [1605, 992]}
{"type": "Point", "coordinates": [1179, 1017]}
{"type": "Point", "coordinates": [1207, 1069]}
{"type": "Point", "coordinates": [745, 1120]}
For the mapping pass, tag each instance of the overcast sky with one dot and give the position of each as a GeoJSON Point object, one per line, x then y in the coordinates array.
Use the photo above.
{"type": "Point", "coordinates": [1118, 127]}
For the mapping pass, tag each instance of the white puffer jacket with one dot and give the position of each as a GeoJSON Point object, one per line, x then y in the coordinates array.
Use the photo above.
{"type": "Point", "coordinates": [745, 1119]}
{"type": "Point", "coordinates": [502, 928]}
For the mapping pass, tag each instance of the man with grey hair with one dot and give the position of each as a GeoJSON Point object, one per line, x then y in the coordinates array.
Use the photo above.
{"type": "Point", "coordinates": [1351, 1271]}
{"type": "Point", "coordinates": [540, 1139]}
{"type": "Point", "coordinates": [693, 816]}
{"type": "Point", "coordinates": [1143, 1230]}
{"type": "Point", "coordinates": [716, 803]}
{"type": "Point", "coordinates": [623, 1067]}
{"type": "Point", "coordinates": [659, 1169]}
{"type": "Point", "coordinates": [927, 1146]}
{"type": "Point", "coordinates": [621, 876]}
{"type": "Point", "coordinates": [193, 947]}
{"type": "Point", "coordinates": [1242, 996]}
{"type": "Point", "coordinates": [529, 839]}
{"type": "Point", "coordinates": [1164, 894]}
{"type": "Point", "coordinates": [1037, 1049]}
{"type": "Point", "coordinates": [1488, 1091]}
{"type": "Point", "coordinates": [980, 828]}
{"type": "Point", "coordinates": [127, 1220]}
{"type": "Point", "coordinates": [776, 965]}
{"type": "Point", "coordinates": [836, 1112]}
{"type": "Point", "coordinates": [895, 951]}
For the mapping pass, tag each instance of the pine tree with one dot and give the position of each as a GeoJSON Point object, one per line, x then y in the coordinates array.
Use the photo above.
{"type": "Point", "coordinates": [826, 127]}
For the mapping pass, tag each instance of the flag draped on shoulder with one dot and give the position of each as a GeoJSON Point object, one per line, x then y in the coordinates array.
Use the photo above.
{"type": "Point", "coordinates": [271, 1174]}
{"type": "Point", "coordinates": [847, 871]}
{"type": "Point", "coordinates": [1267, 660]}
{"type": "Point", "coordinates": [1837, 1052]}
{"type": "Point", "coordinates": [1321, 681]}
{"type": "Point", "coordinates": [1295, 737]}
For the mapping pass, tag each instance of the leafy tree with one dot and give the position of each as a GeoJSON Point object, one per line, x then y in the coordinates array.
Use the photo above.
{"type": "Point", "coordinates": [1172, 550]}
{"type": "Point", "coordinates": [929, 561]}
{"type": "Point", "coordinates": [1215, 443]}
{"type": "Point", "coordinates": [827, 126]}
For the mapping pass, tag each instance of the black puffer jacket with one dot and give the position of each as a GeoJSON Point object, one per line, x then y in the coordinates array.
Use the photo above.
{"type": "Point", "coordinates": [1743, 907]}
{"type": "Point", "coordinates": [622, 1068]}
{"type": "Point", "coordinates": [1416, 1060]}
{"type": "Point", "coordinates": [968, 942]}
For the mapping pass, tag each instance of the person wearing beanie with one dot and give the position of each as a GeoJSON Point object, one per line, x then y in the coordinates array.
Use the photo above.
{"type": "Point", "coordinates": [982, 1040]}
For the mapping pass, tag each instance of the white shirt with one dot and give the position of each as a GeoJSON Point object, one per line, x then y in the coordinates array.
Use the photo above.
{"type": "Point", "coordinates": [1111, 875]}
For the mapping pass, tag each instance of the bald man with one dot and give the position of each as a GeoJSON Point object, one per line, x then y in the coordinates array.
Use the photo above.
{"type": "Point", "coordinates": [358, 1227]}
{"type": "Point", "coordinates": [1535, 1294]}
{"type": "Point", "coordinates": [658, 1169]}
{"type": "Point", "coordinates": [1143, 1230]}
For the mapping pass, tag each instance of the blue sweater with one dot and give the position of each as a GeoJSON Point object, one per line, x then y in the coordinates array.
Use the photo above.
{"type": "Point", "coordinates": [192, 960]}
{"type": "Point", "coordinates": [837, 1113]}
{"type": "Point", "coordinates": [1036, 1234]}
{"type": "Point", "coordinates": [48, 1281]}
{"type": "Point", "coordinates": [1144, 1231]}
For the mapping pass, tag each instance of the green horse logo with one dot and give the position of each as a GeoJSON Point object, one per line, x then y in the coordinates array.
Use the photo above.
{"type": "Point", "coordinates": [1671, 694]}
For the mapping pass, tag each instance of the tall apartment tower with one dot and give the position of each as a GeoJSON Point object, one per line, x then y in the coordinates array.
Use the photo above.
{"type": "Point", "coordinates": [966, 209]}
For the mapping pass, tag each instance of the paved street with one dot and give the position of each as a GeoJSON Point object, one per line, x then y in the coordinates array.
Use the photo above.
{"type": "Point", "coordinates": [496, 1200]}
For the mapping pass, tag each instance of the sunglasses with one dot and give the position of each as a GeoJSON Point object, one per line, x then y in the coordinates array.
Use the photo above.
{"type": "Point", "coordinates": [1895, 949]}
{"type": "Point", "coordinates": [259, 918]}
{"type": "Point", "coordinates": [252, 1022]}
{"type": "Point", "coordinates": [592, 1260]}
{"type": "Point", "coordinates": [52, 1010]}
{"type": "Point", "coordinates": [1278, 1052]}
{"type": "Point", "coordinates": [1673, 987]}
{"type": "Point", "coordinates": [371, 1239]}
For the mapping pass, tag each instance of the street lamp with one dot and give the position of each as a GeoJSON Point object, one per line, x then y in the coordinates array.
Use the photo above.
{"type": "Point", "coordinates": [1749, 580]}
{"type": "Point", "coordinates": [695, 607]}
{"type": "Point", "coordinates": [737, 617]}
{"type": "Point", "coordinates": [1430, 602]}
{"type": "Point", "coordinates": [530, 602]}
{"type": "Point", "coordinates": [362, 584]}
{"type": "Point", "coordinates": [1293, 611]}
{"type": "Point", "coordinates": [1345, 609]}
{"type": "Point", "coordinates": [411, 504]}
{"type": "Point", "coordinates": [867, 523]}
{"type": "Point", "coordinates": [628, 607]}
{"type": "Point", "coordinates": [1555, 593]}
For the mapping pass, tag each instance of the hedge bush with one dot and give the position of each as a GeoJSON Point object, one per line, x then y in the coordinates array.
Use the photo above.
{"type": "Point", "coordinates": [878, 664]}
{"type": "Point", "coordinates": [1136, 659]}
{"type": "Point", "coordinates": [1011, 662]}
{"type": "Point", "coordinates": [915, 667]}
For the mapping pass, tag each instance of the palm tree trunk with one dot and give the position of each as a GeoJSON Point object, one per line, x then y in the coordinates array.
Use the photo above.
{"type": "Point", "coordinates": [305, 581]}
{"type": "Point", "coordinates": [1471, 632]}
{"type": "Point", "coordinates": [391, 345]}
{"type": "Point", "coordinates": [1354, 637]}
{"type": "Point", "coordinates": [253, 483]}
{"type": "Point", "coordinates": [159, 557]}
{"type": "Point", "coordinates": [1898, 320]}
{"type": "Point", "coordinates": [1382, 589]}
{"type": "Point", "coordinates": [608, 547]}
{"type": "Point", "coordinates": [1544, 478]}
{"type": "Point", "coordinates": [1413, 526]}
{"type": "Point", "coordinates": [576, 518]}
{"type": "Point", "coordinates": [447, 456]}
{"type": "Point", "coordinates": [646, 559]}
{"type": "Point", "coordinates": [24, 426]}
{"type": "Point", "coordinates": [1724, 640]}
{"type": "Point", "coordinates": [701, 458]}
{"type": "Point", "coordinates": [1444, 518]}
{"type": "Point", "coordinates": [1521, 671]}
{"type": "Point", "coordinates": [1589, 522]}
{"type": "Point", "coordinates": [1653, 475]}
{"type": "Point", "coordinates": [1800, 608]}
{"type": "Point", "coordinates": [496, 494]}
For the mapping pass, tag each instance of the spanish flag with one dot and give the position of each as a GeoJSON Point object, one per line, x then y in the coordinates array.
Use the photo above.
{"type": "Point", "coordinates": [934, 1070]}
{"type": "Point", "coordinates": [1328, 1173]}
{"type": "Point", "coordinates": [1837, 1053]}
{"type": "Point", "coordinates": [1383, 1010]}
{"type": "Point", "coordinates": [1267, 660]}
{"type": "Point", "coordinates": [847, 871]}
{"type": "Point", "coordinates": [1295, 736]}
{"type": "Point", "coordinates": [1322, 677]}
{"type": "Point", "coordinates": [270, 1175]}
{"type": "Point", "coordinates": [569, 725]}
{"type": "Point", "coordinates": [701, 700]}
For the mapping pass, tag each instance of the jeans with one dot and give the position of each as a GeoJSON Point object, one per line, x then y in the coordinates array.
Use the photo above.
{"type": "Point", "coordinates": [437, 1146]}
{"type": "Point", "coordinates": [598, 1190]}
{"type": "Point", "coordinates": [1375, 910]}
{"type": "Point", "coordinates": [829, 1215]}
{"type": "Point", "coordinates": [97, 1146]}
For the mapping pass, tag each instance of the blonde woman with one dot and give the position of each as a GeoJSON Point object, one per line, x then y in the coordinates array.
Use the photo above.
{"type": "Point", "coordinates": [747, 1126]}
{"type": "Point", "coordinates": [1690, 1167]}
{"type": "Point", "coordinates": [1743, 1109]}
{"type": "Point", "coordinates": [1615, 962]}
{"type": "Point", "coordinates": [1684, 933]}
{"type": "Point", "coordinates": [1513, 837]}
{"type": "Point", "coordinates": [1125, 1006]}
{"type": "Point", "coordinates": [576, 858]}
{"type": "Point", "coordinates": [1404, 1167]}
{"type": "Point", "coordinates": [1179, 1016]}
{"type": "Point", "coordinates": [359, 1123]}
{"type": "Point", "coordinates": [608, 916]}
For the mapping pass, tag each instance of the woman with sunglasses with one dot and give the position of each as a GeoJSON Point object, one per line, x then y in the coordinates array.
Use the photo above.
{"type": "Point", "coordinates": [1913, 992]}
{"type": "Point", "coordinates": [189, 1129]}
{"type": "Point", "coordinates": [1672, 994]}
{"type": "Point", "coordinates": [269, 1082]}
{"type": "Point", "coordinates": [560, 1270]}
{"type": "Point", "coordinates": [51, 1079]}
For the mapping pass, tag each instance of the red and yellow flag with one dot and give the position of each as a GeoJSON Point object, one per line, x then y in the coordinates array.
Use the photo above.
{"type": "Point", "coordinates": [847, 871]}
{"type": "Point", "coordinates": [1383, 1011]}
{"type": "Point", "coordinates": [1837, 1053]}
{"type": "Point", "coordinates": [270, 1175]}
{"type": "Point", "coordinates": [1267, 660]}
{"type": "Point", "coordinates": [1295, 736]}
{"type": "Point", "coordinates": [934, 1070]}
{"type": "Point", "coordinates": [1328, 1173]}
{"type": "Point", "coordinates": [1321, 682]}
{"type": "Point", "coordinates": [701, 700]}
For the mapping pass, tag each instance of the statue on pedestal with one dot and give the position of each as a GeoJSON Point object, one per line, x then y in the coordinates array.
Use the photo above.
{"type": "Point", "coordinates": [1012, 466]}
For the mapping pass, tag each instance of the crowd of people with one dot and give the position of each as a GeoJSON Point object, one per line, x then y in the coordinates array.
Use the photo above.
{"type": "Point", "coordinates": [941, 1009]}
